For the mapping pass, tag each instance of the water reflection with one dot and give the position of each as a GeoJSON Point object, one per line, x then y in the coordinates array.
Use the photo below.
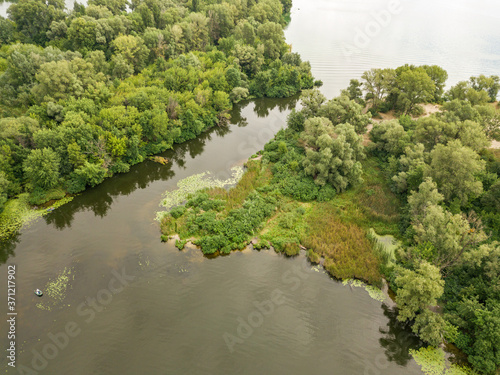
{"type": "Point", "coordinates": [7, 248]}
{"type": "Point", "coordinates": [398, 338]}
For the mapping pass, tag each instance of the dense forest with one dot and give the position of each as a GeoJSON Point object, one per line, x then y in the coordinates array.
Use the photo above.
{"type": "Point", "coordinates": [327, 185]}
{"type": "Point", "coordinates": [87, 93]}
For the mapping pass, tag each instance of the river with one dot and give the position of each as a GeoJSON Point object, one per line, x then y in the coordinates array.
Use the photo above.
{"type": "Point", "coordinates": [164, 311]}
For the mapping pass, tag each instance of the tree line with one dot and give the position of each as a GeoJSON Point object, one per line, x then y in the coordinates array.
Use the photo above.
{"type": "Point", "coordinates": [89, 92]}
{"type": "Point", "coordinates": [447, 272]}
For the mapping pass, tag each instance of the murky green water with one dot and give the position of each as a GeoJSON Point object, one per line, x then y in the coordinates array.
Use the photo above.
{"type": "Point", "coordinates": [125, 303]}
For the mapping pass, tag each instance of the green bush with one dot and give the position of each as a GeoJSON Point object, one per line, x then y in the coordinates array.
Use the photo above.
{"type": "Point", "coordinates": [180, 244]}
{"type": "Point", "coordinates": [177, 212]}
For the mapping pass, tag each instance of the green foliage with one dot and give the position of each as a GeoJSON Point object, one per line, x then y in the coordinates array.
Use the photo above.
{"type": "Point", "coordinates": [454, 168]}
{"type": "Point", "coordinates": [103, 88]}
{"type": "Point", "coordinates": [332, 153]}
{"type": "Point", "coordinates": [417, 290]}
{"type": "Point", "coordinates": [42, 168]}
{"type": "Point", "coordinates": [389, 137]}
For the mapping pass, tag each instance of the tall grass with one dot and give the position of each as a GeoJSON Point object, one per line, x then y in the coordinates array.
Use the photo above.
{"type": "Point", "coordinates": [347, 251]}
{"type": "Point", "coordinates": [371, 204]}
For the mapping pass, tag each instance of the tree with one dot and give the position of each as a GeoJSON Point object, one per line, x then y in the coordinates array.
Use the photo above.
{"type": "Point", "coordinates": [62, 79]}
{"type": "Point", "coordinates": [389, 137]}
{"type": "Point", "coordinates": [413, 86]}
{"type": "Point", "coordinates": [7, 29]}
{"type": "Point", "coordinates": [464, 90]}
{"type": "Point", "coordinates": [410, 167]}
{"type": "Point", "coordinates": [455, 168]}
{"type": "Point", "coordinates": [431, 131]}
{"type": "Point", "coordinates": [132, 49]}
{"type": "Point", "coordinates": [248, 58]}
{"type": "Point", "coordinates": [472, 135]}
{"type": "Point", "coordinates": [417, 290]}
{"type": "Point", "coordinates": [296, 120]}
{"type": "Point", "coordinates": [267, 11]}
{"type": "Point", "coordinates": [439, 77]}
{"type": "Point", "coordinates": [426, 196]}
{"type": "Point", "coordinates": [41, 168]}
{"type": "Point", "coordinates": [450, 235]}
{"type": "Point", "coordinates": [342, 110]}
{"type": "Point", "coordinates": [332, 153]}
{"type": "Point", "coordinates": [490, 120]}
{"type": "Point", "coordinates": [378, 83]}
{"type": "Point", "coordinates": [115, 6]}
{"type": "Point", "coordinates": [82, 34]}
{"type": "Point", "coordinates": [430, 327]}
{"type": "Point", "coordinates": [353, 91]}
{"type": "Point", "coordinates": [272, 36]}
{"type": "Point", "coordinates": [221, 20]}
{"type": "Point", "coordinates": [459, 110]}
{"type": "Point", "coordinates": [490, 85]}
{"type": "Point", "coordinates": [311, 101]}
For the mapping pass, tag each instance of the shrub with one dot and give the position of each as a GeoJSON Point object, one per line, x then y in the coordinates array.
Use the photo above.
{"type": "Point", "coordinates": [180, 244]}
{"type": "Point", "coordinates": [177, 212]}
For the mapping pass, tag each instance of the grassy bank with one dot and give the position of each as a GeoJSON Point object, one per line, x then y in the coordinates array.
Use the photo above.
{"type": "Point", "coordinates": [18, 213]}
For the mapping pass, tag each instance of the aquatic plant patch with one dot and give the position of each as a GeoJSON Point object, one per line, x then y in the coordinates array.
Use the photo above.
{"type": "Point", "coordinates": [433, 362]}
{"type": "Point", "coordinates": [55, 290]}
{"type": "Point", "coordinates": [372, 291]}
{"type": "Point", "coordinates": [194, 183]}
{"type": "Point", "coordinates": [18, 213]}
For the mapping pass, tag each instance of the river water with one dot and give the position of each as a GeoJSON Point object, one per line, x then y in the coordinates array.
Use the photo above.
{"type": "Point", "coordinates": [128, 304]}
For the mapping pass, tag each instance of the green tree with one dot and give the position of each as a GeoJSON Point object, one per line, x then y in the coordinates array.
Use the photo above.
{"type": "Point", "coordinates": [490, 120]}
{"type": "Point", "coordinates": [455, 169]}
{"type": "Point", "coordinates": [342, 110]}
{"type": "Point", "coordinates": [7, 29]}
{"type": "Point", "coordinates": [426, 196]}
{"type": "Point", "coordinates": [311, 101]}
{"type": "Point", "coordinates": [389, 137]}
{"type": "Point", "coordinates": [82, 34]}
{"type": "Point", "coordinates": [332, 153]}
{"type": "Point", "coordinates": [417, 290]}
{"type": "Point", "coordinates": [413, 86]}
{"type": "Point", "coordinates": [490, 85]}
{"type": "Point", "coordinates": [115, 6]}
{"type": "Point", "coordinates": [272, 36]}
{"type": "Point", "coordinates": [132, 49]}
{"type": "Point", "coordinates": [41, 168]}
{"type": "Point", "coordinates": [33, 18]}
{"type": "Point", "coordinates": [353, 91]}
{"type": "Point", "coordinates": [439, 77]}
{"type": "Point", "coordinates": [378, 83]}
{"type": "Point", "coordinates": [410, 167]}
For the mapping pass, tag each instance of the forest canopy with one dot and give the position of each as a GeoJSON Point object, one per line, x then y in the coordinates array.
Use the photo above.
{"type": "Point", "coordinates": [87, 93]}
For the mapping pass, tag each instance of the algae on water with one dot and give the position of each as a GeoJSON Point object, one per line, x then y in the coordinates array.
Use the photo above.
{"type": "Point", "coordinates": [194, 183]}
{"type": "Point", "coordinates": [373, 291]}
{"type": "Point", "coordinates": [433, 362]}
{"type": "Point", "coordinates": [55, 290]}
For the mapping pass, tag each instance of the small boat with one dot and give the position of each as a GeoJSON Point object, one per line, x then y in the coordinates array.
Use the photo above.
{"type": "Point", "coordinates": [38, 292]}
{"type": "Point", "coordinates": [50, 209]}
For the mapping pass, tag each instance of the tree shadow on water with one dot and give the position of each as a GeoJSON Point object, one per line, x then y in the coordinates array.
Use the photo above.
{"type": "Point", "coordinates": [398, 338]}
{"type": "Point", "coordinates": [7, 248]}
